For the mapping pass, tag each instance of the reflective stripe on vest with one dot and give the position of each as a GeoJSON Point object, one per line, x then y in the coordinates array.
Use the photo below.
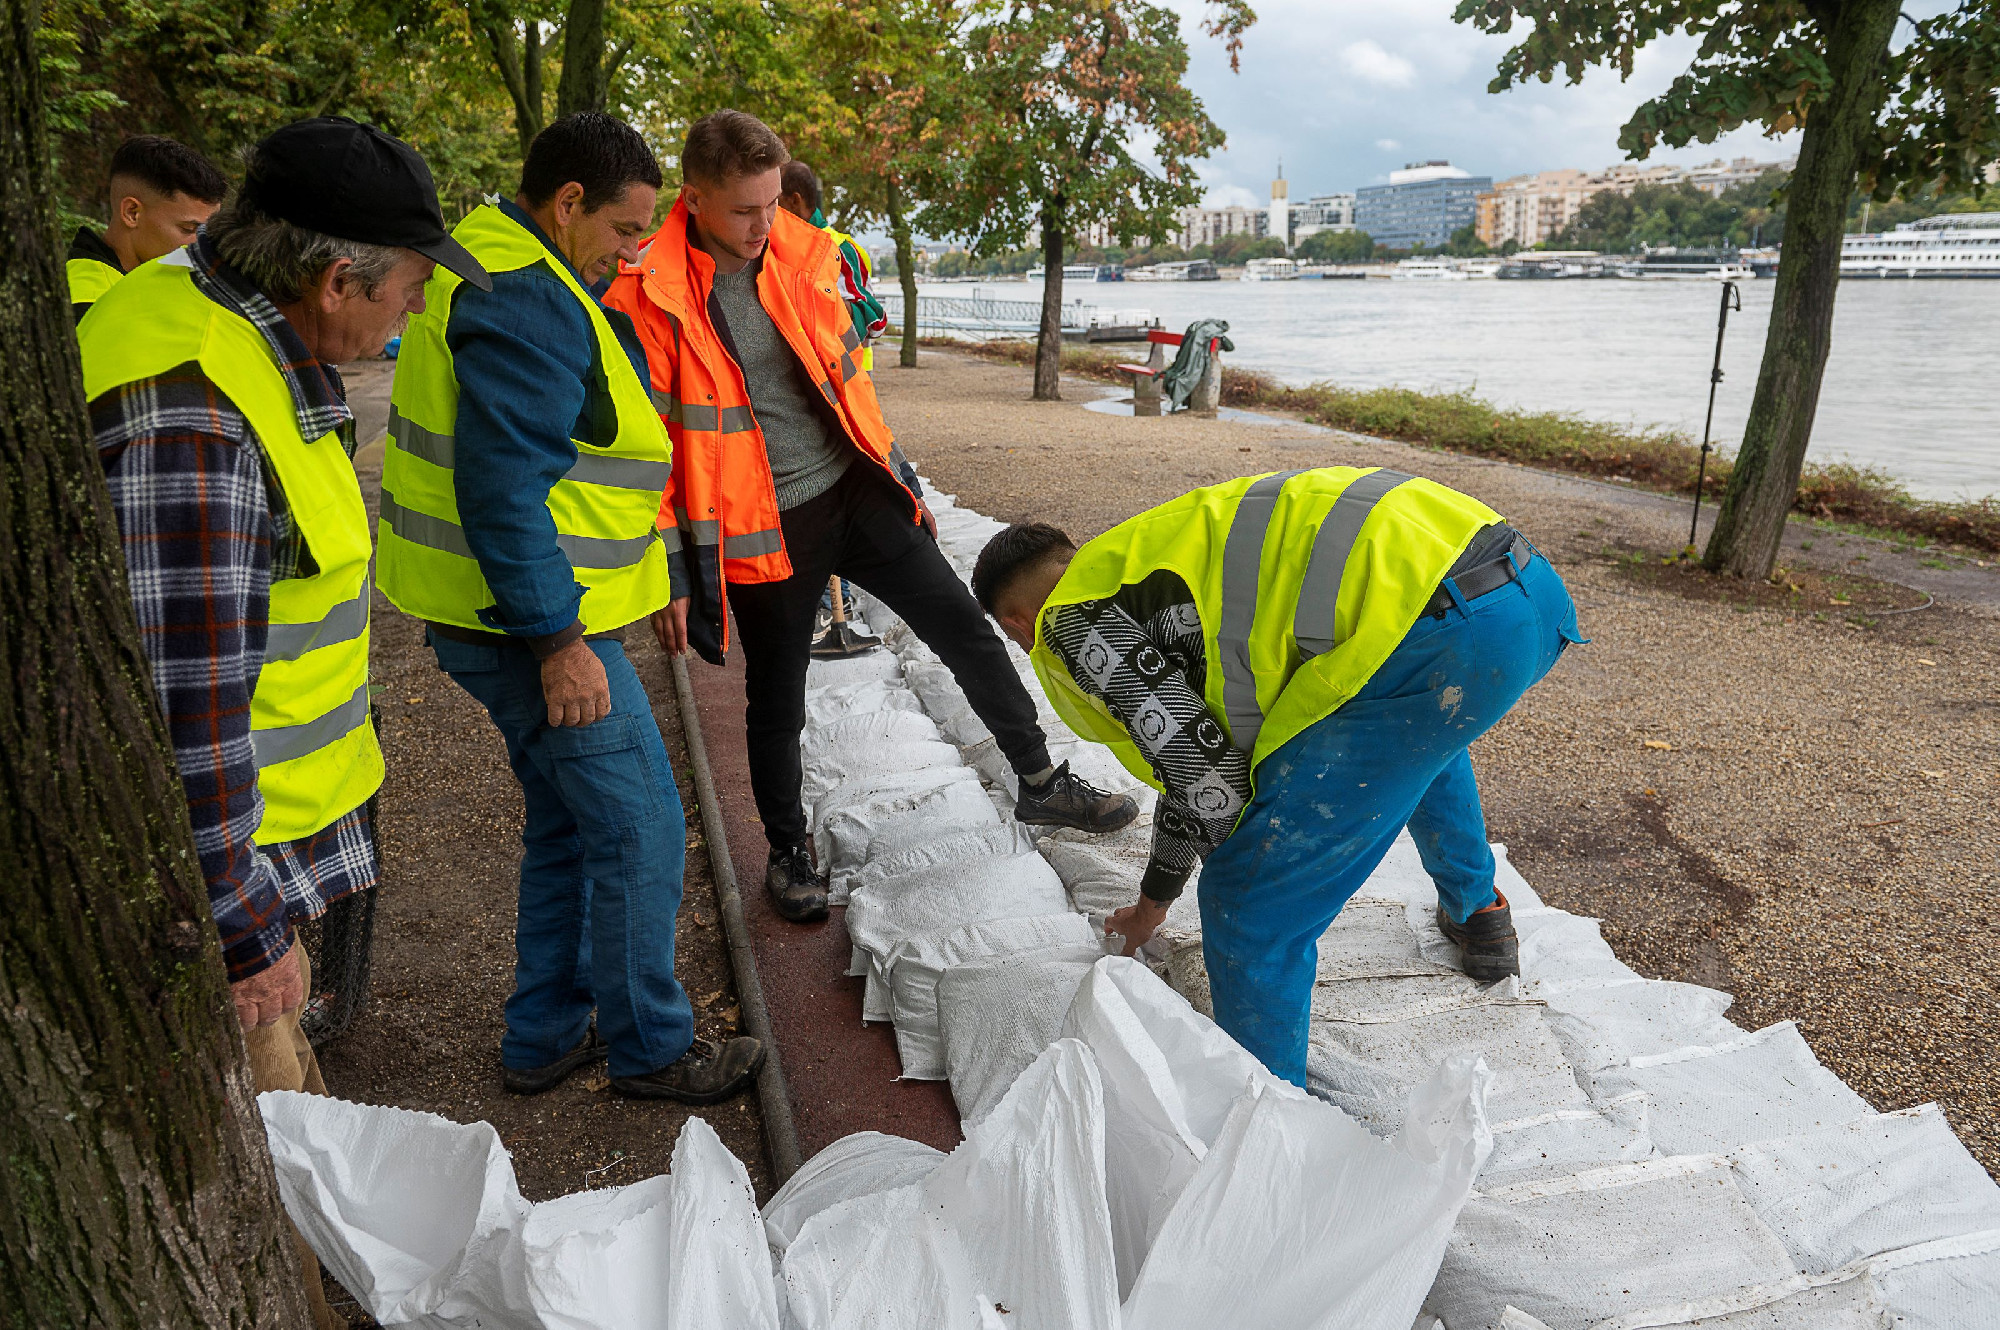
{"type": "Point", "coordinates": [1242, 557]}
{"type": "Point", "coordinates": [729, 420]}
{"type": "Point", "coordinates": [1319, 594]}
{"type": "Point", "coordinates": [605, 507]}
{"type": "Point", "coordinates": [316, 753]}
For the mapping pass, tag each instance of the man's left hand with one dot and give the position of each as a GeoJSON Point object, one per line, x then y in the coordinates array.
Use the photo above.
{"type": "Point", "coordinates": [1137, 922]}
{"type": "Point", "coordinates": [924, 517]}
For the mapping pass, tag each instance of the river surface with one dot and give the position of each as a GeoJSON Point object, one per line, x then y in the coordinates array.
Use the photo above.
{"type": "Point", "coordinates": [1912, 386]}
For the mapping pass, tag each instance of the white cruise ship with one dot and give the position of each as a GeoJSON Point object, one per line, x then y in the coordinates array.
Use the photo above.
{"type": "Point", "coordinates": [1965, 244]}
{"type": "Point", "coordinates": [1270, 270]}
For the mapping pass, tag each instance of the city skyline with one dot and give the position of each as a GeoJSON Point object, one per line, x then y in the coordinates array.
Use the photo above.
{"type": "Point", "coordinates": [1347, 93]}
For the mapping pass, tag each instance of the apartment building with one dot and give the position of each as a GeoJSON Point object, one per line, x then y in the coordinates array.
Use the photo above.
{"type": "Point", "coordinates": [1530, 210]}
{"type": "Point", "coordinates": [1422, 205]}
{"type": "Point", "coordinates": [1322, 212]}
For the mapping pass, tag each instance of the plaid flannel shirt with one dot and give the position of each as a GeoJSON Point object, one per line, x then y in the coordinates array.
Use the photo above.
{"type": "Point", "coordinates": [206, 531]}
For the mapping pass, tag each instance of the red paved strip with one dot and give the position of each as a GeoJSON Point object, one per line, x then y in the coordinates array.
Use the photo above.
{"type": "Point", "coordinates": [842, 1073]}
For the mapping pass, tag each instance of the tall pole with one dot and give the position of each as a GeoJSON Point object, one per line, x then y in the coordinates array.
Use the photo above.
{"type": "Point", "coordinates": [1731, 299]}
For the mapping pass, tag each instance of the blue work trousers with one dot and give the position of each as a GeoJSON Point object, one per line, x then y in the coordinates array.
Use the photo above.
{"type": "Point", "coordinates": [601, 856]}
{"type": "Point", "coordinates": [1330, 803]}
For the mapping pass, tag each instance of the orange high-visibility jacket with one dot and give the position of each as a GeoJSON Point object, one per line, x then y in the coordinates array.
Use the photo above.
{"type": "Point", "coordinates": [721, 496]}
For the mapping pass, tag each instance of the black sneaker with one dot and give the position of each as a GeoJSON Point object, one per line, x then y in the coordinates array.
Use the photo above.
{"type": "Point", "coordinates": [706, 1074]}
{"type": "Point", "coordinates": [798, 890]}
{"type": "Point", "coordinates": [534, 1080]}
{"type": "Point", "coordinates": [1068, 800]}
{"type": "Point", "coordinates": [1487, 940]}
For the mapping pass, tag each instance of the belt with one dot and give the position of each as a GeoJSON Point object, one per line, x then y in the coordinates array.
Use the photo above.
{"type": "Point", "coordinates": [1476, 582]}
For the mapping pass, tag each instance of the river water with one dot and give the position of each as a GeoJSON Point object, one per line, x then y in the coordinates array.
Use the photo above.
{"type": "Point", "coordinates": [1912, 385]}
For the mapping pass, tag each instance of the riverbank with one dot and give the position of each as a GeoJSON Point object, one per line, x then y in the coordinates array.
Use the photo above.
{"type": "Point", "coordinates": [1787, 792]}
{"type": "Point", "coordinates": [1662, 460]}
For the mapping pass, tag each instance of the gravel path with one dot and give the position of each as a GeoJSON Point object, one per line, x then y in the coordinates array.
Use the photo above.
{"type": "Point", "coordinates": [1786, 793]}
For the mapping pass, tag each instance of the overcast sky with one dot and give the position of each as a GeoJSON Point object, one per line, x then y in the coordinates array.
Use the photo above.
{"type": "Point", "coordinates": [1346, 91]}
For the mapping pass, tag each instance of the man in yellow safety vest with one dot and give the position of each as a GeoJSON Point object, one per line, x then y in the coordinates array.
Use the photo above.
{"type": "Point", "coordinates": [226, 439]}
{"type": "Point", "coordinates": [520, 507]}
{"type": "Point", "coordinates": [160, 192]}
{"type": "Point", "coordinates": [1298, 662]}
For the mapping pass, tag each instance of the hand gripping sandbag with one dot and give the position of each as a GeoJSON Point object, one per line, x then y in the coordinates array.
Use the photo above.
{"type": "Point", "coordinates": [1015, 1218]}
{"type": "Point", "coordinates": [1298, 1217]}
{"type": "Point", "coordinates": [416, 1216]}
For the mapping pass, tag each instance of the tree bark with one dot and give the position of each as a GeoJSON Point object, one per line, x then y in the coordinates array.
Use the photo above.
{"type": "Point", "coordinates": [906, 268]}
{"type": "Point", "coordinates": [522, 73]}
{"type": "Point", "coordinates": [1048, 342]}
{"type": "Point", "coordinates": [137, 1191]}
{"type": "Point", "coordinates": [1763, 485]}
{"type": "Point", "coordinates": [583, 85]}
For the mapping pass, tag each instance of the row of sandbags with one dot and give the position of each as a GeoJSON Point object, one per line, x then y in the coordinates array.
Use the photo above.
{"type": "Point", "coordinates": [1653, 1162]}
{"type": "Point", "coordinates": [1142, 1170]}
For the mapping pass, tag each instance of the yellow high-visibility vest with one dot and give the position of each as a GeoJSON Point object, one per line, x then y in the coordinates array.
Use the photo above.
{"type": "Point", "coordinates": [606, 509]}
{"type": "Point", "coordinates": [317, 756]}
{"type": "Point", "coordinates": [89, 279]}
{"type": "Point", "coordinates": [1305, 581]}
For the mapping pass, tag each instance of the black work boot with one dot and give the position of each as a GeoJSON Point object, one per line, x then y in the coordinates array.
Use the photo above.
{"type": "Point", "coordinates": [706, 1074]}
{"type": "Point", "coordinates": [534, 1080]}
{"type": "Point", "coordinates": [798, 890]}
{"type": "Point", "coordinates": [1068, 800]}
{"type": "Point", "coordinates": [1487, 940]}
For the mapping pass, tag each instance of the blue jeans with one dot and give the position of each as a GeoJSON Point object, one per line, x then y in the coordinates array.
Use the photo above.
{"type": "Point", "coordinates": [602, 851]}
{"type": "Point", "coordinates": [1330, 803]}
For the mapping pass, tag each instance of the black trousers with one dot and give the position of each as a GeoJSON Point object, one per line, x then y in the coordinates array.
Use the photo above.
{"type": "Point", "coordinates": [861, 530]}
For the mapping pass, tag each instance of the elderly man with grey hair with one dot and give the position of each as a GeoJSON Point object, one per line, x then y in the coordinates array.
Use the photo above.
{"type": "Point", "coordinates": [225, 435]}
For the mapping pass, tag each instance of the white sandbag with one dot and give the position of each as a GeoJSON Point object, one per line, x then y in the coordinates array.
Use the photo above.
{"type": "Point", "coordinates": [1950, 1284]}
{"type": "Point", "coordinates": [1392, 997]}
{"type": "Point", "coordinates": [1713, 1099]}
{"type": "Point", "coordinates": [1562, 948]}
{"type": "Point", "coordinates": [916, 965]}
{"type": "Point", "coordinates": [934, 852]}
{"type": "Point", "coordinates": [1604, 1025]}
{"type": "Point", "coordinates": [1025, 1192]}
{"type": "Point", "coordinates": [1842, 1302]}
{"type": "Point", "coordinates": [885, 814]}
{"type": "Point", "coordinates": [718, 1268]}
{"type": "Point", "coordinates": [862, 1164]}
{"type": "Point", "coordinates": [826, 705]}
{"type": "Point", "coordinates": [946, 703]}
{"type": "Point", "coordinates": [996, 1015]}
{"type": "Point", "coordinates": [1569, 1141]}
{"type": "Point", "coordinates": [1372, 939]}
{"type": "Point", "coordinates": [1843, 1193]}
{"type": "Point", "coordinates": [865, 730]}
{"type": "Point", "coordinates": [828, 769]}
{"type": "Point", "coordinates": [1573, 1251]}
{"type": "Point", "coordinates": [831, 673]}
{"type": "Point", "coordinates": [881, 1261]}
{"type": "Point", "coordinates": [1298, 1217]}
{"type": "Point", "coordinates": [1170, 1077]}
{"type": "Point", "coordinates": [1102, 873]}
{"type": "Point", "coordinates": [598, 1258]}
{"type": "Point", "coordinates": [1367, 1067]}
{"type": "Point", "coordinates": [413, 1214]}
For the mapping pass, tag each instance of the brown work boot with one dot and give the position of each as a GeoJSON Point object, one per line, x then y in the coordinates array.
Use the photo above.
{"type": "Point", "coordinates": [798, 889]}
{"type": "Point", "coordinates": [534, 1080]}
{"type": "Point", "coordinates": [1068, 800]}
{"type": "Point", "coordinates": [1491, 948]}
{"type": "Point", "coordinates": [706, 1074]}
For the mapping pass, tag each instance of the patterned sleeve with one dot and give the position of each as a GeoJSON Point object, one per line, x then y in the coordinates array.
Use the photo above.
{"type": "Point", "coordinates": [187, 483]}
{"type": "Point", "coordinates": [1142, 673]}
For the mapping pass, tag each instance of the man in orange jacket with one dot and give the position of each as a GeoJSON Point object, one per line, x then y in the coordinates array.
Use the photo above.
{"type": "Point", "coordinates": [784, 474]}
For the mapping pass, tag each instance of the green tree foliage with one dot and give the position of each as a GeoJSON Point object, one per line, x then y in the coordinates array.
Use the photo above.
{"type": "Point", "coordinates": [1336, 247]}
{"type": "Point", "coordinates": [1653, 216]}
{"type": "Point", "coordinates": [1238, 249]}
{"type": "Point", "coordinates": [1465, 244]}
{"type": "Point", "coordinates": [1061, 105]}
{"type": "Point", "coordinates": [1924, 115]}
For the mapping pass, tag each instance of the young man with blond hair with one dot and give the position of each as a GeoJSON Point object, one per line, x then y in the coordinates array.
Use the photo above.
{"type": "Point", "coordinates": [786, 474]}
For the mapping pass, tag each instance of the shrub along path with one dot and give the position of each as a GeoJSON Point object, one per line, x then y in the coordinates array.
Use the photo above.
{"type": "Point", "coordinates": [1782, 791]}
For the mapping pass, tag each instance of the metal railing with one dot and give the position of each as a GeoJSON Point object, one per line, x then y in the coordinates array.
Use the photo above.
{"type": "Point", "coordinates": [978, 316]}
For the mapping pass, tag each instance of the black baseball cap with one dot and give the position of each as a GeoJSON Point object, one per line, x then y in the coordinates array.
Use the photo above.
{"type": "Point", "coordinates": [352, 181]}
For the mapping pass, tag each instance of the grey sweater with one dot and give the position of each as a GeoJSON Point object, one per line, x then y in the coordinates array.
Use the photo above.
{"type": "Point", "coordinates": [806, 457]}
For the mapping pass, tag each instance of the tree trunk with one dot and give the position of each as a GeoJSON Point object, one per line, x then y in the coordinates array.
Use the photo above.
{"type": "Point", "coordinates": [906, 270]}
{"type": "Point", "coordinates": [1763, 485]}
{"type": "Point", "coordinates": [1048, 342]}
{"type": "Point", "coordinates": [583, 85]}
{"type": "Point", "coordinates": [137, 1190]}
{"type": "Point", "coordinates": [521, 72]}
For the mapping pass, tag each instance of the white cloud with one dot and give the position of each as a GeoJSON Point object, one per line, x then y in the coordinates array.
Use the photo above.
{"type": "Point", "coordinates": [1232, 196]}
{"type": "Point", "coordinates": [1388, 145]}
{"type": "Point", "coordinates": [1367, 61]}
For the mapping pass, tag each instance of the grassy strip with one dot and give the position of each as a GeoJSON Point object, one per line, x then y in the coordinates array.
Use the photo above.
{"type": "Point", "coordinates": [1657, 459]}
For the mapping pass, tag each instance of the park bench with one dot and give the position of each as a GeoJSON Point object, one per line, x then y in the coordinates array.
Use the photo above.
{"type": "Point", "coordinates": [1146, 377]}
